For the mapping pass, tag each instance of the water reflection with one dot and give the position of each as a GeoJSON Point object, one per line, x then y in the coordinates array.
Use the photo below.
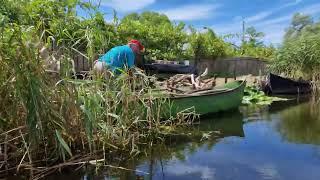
{"type": "Point", "coordinates": [301, 124]}
{"type": "Point", "coordinates": [266, 112]}
{"type": "Point", "coordinates": [175, 160]}
{"type": "Point", "coordinates": [279, 106]}
{"type": "Point", "coordinates": [228, 124]}
{"type": "Point", "coordinates": [254, 150]}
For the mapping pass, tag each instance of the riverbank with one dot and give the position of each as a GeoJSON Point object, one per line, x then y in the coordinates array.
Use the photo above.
{"type": "Point", "coordinates": [69, 122]}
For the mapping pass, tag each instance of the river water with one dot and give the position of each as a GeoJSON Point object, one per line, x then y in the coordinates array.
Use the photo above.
{"type": "Point", "coordinates": [280, 141]}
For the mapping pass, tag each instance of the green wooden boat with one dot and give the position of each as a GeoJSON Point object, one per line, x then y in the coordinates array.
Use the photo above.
{"type": "Point", "coordinates": [219, 99]}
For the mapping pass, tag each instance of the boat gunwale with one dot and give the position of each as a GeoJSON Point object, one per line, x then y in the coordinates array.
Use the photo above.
{"type": "Point", "coordinates": [213, 93]}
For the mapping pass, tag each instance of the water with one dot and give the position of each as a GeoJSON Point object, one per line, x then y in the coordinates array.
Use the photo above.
{"type": "Point", "coordinates": [281, 141]}
{"type": "Point", "coordinates": [277, 142]}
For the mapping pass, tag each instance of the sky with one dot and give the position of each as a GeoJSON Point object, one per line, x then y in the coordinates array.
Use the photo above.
{"type": "Point", "coordinates": [224, 16]}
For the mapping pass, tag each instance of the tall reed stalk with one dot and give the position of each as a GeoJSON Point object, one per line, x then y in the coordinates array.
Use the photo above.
{"type": "Point", "coordinates": [46, 119]}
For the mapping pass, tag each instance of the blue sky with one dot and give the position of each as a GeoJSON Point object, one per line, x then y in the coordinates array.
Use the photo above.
{"type": "Point", "coordinates": [224, 16]}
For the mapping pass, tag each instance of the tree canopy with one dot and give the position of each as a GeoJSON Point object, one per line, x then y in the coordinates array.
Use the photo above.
{"type": "Point", "coordinates": [162, 38]}
{"type": "Point", "coordinates": [58, 24]}
{"type": "Point", "coordinates": [254, 37]}
{"type": "Point", "coordinates": [299, 23]}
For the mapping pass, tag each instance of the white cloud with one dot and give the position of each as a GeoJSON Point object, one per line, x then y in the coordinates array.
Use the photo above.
{"type": "Point", "coordinates": [263, 15]}
{"type": "Point", "coordinates": [268, 171]}
{"type": "Point", "coordinates": [313, 9]}
{"type": "Point", "coordinates": [273, 28]}
{"type": "Point", "coordinates": [259, 16]}
{"type": "Point", "coordinates": [274, 33]}
{"type": "Point", "coordinates": [281, 20]}
{"type": "Point", "coordinates": [227, 28]}
{"type": "Point", "coordinates": [127, 5]}
{"type": "Point", "coordinates": [191, 12]}
{"type": "Point", "coordinates": [179, 169]}
{"type": "Point", "coordinates": [293, 3]}
{"type": "Point", "coordinates": [285, 20]}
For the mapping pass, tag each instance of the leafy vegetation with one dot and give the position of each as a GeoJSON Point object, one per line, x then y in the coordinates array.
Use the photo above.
{"type": "Point", "coordinates": [251, 45]}
{"type": "Point", "coordinates": [252, 95]}
{"type": "Point", "coordinates": [162, 38]}
{"type": "Point", "coordinates": [205, 45]}
{"type": "Point", "coordinates": [251, 50]}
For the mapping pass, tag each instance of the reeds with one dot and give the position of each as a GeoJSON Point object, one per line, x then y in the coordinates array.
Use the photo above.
{"type": "Point", "coordinates": [73, 115]}
{"type": "Point", "coordinates": [299, 58]}
{"type": "Point", "coordinates": [47, 120]}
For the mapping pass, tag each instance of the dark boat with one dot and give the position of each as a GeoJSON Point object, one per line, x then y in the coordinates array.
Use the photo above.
{"type": "Point", "coordinates": [279, 85]}
{"type": "Point", "coordinates": [170, 68]}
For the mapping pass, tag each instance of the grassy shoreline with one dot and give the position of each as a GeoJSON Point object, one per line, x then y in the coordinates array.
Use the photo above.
{"type": "Point", "coordinates": [88, 118]}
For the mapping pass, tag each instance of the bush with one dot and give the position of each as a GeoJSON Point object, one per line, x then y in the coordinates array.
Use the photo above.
{"type": "Point", "coordinates": [299, 57]}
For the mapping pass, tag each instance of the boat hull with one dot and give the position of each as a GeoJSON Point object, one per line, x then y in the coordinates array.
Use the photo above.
{"type": "Point", "coordinates": [280, 85]}
{"type": "Point", "coordinates": [214, 102]}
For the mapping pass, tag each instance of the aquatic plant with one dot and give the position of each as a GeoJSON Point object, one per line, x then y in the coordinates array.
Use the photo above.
{"type": "Point", "coordinates": [252, 95]}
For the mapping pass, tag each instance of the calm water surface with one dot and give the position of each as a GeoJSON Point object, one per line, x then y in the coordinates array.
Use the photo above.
{"type": "Point", "coordinates": [281, 141]}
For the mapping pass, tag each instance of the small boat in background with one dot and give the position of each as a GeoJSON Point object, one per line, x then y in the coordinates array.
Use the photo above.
{"type": "Point", "coordinates": [156, 68]}
{"type": "Point", "coordinates": [279, 85]}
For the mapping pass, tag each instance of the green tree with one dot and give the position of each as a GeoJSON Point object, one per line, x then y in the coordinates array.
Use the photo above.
{"type": "Point", "coordinates": [205, 45]}
{"type": "Point", "coordinates": [252, 45]}
{"type": "Point", "coordinates": [254, 37]}
{"type": "Point", "coordinates": [162, 38]}
{"type": "Point", "coordinates": [11, 12]}
{"type": "Point", "coordinates": [298, 23]}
